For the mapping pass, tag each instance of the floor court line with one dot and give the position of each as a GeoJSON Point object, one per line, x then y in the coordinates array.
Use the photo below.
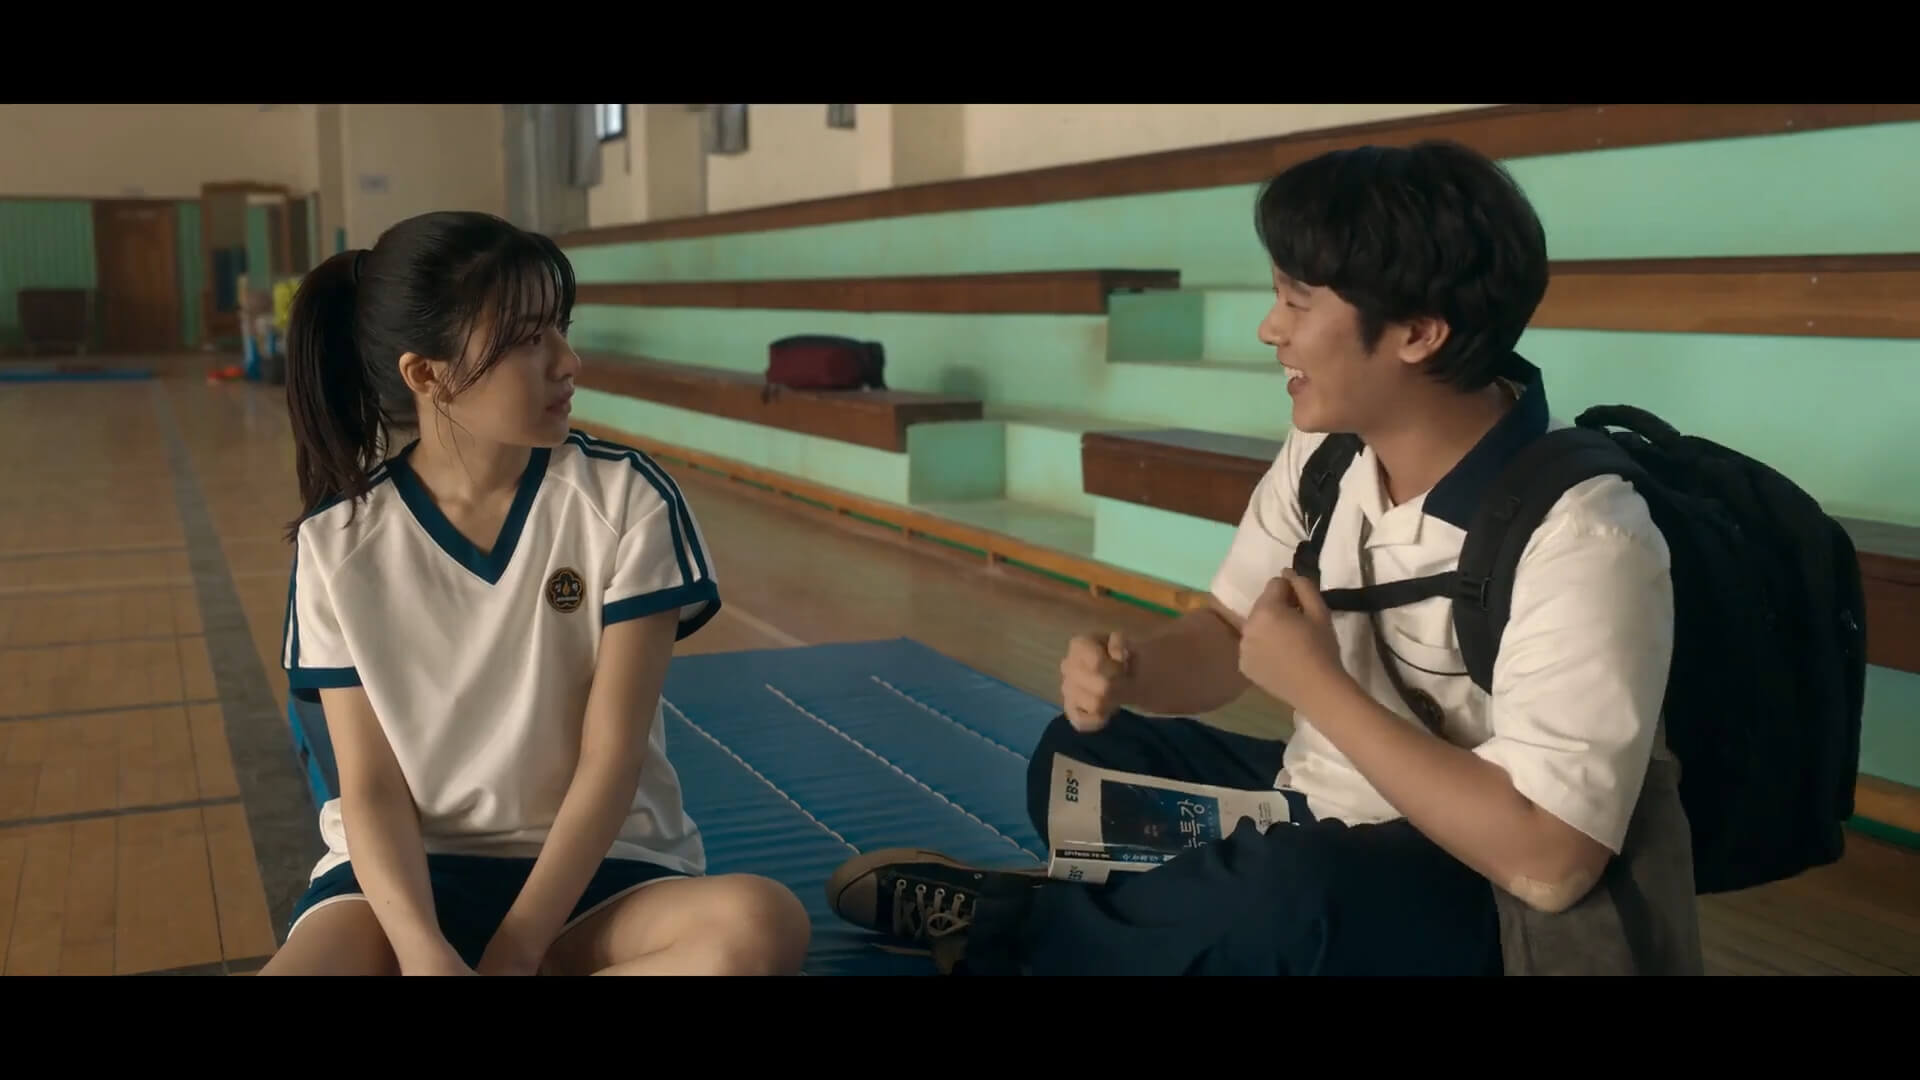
{"type": "Point", "coordinates": [754, 622]}
{"type": "Point", "coordinates": [65, 553]}
{"type": "Point", "coordinates": [68, 643]}
{"type": "Point", "coordinates": [116, 811]}
{"type": "Point", "coordinates": [143, 707]}
{"type": "Point", "coordinates": [119, 585]}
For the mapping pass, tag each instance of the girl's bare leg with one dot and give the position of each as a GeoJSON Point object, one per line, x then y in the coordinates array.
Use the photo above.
{"type": "Point", "coordinates": [728, 924]}
{"type": "Point", "coordinates": [342, 938]}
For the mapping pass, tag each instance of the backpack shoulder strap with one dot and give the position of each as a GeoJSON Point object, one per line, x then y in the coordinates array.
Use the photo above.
{"type": "Point", "coordinates": [1319, 493]}
{"type": "Point", "coordinates": [1512, 508]}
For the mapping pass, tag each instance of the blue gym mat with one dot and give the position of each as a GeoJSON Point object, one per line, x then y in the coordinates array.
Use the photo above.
{"type": "Point", "coordinates": [68, 372]}
{"type": "Point", "coordinates": [794, 760]}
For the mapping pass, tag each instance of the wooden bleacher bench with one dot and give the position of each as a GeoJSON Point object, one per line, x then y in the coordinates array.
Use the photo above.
{"type": "Point", "coordinates": [1875, 296]}
{"type": "Point", "coordinates": [1041, 292]}
{"type": "Point", "coordinates": [1203, 474]}
{"type": "Point", "coordinates": [875, 418]}
{"type": "Point", "coordinates": [1890, 565]}
{"type": "Point", "coordinates": [1209, 475]}
{"type": "Point", "coordinates": [1795, 295]}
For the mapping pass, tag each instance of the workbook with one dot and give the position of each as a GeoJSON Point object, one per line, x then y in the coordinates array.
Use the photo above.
{"type": "Point", "coordinates": [1103, 821]}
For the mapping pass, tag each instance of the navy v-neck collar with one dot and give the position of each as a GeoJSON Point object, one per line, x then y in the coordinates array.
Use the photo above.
{"type": "Point", "coordinates": [489, 565]}
{"type": "Point", "coordinates": [1457, 496]}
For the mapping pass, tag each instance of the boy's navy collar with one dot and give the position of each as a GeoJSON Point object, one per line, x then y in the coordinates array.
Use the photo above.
{"type": "Point", "coordinates": [1455, 498]}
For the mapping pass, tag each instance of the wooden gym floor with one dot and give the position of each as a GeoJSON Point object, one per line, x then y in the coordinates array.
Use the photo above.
{"type": "Point", "coordinates": [151, 816]}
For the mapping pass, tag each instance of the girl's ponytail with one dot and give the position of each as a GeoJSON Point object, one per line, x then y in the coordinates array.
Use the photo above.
{"type": "Point", "coordinates": [428, 287]}
{"type": "Point", "coordinates": [331, 398]}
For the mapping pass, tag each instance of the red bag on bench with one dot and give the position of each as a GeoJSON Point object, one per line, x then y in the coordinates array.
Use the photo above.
{"type": "Point", "coordinates": [825, 362]}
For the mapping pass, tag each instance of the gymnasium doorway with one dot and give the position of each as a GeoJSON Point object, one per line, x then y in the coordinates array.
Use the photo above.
{"type": "Point", "coordinates": [136, 246]}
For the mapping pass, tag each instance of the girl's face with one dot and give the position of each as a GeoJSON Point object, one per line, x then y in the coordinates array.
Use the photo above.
{"type": "Point", "coordinates": [523, 400]}
{"type": "Point", "coordinates": [527, 398]}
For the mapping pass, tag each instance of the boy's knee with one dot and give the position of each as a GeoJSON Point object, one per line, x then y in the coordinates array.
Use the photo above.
{"type": "Point", "coordinates": [757, 926]}
{"type": "Point", "coordinates": [1093, 747]}
{"type": "Point", "coordinates": [1059, 735]}
{"type": "Point", "coordinates": [1059, 730]}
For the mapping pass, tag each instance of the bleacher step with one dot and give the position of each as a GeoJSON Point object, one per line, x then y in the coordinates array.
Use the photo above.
{"type": "Point", "coordinates": [1041, 526]}
{"type": "Point", "coordinates": [1030, 362]}
{"type": "Point", "coordinates": [1220, 323]}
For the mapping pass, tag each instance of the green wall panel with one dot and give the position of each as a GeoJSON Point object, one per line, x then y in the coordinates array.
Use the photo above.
{"type": "Point", "coordinates": [44, 243]}
{"type": "Point", "coordinates": [1848, 190]}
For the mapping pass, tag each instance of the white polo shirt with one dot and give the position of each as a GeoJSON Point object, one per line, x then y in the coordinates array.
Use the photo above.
{"type": "Point", "coordinates": [478, 664]}
{"type": "Point", "coordinates": [1573, 716]}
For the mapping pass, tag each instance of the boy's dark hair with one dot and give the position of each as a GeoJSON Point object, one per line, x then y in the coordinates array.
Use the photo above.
{"type": "Point", "coordinates": [426, 287]}
{"type": "Point", "coordinates": [1434, 229]}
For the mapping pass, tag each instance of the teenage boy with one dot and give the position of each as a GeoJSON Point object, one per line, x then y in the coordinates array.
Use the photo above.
{"type": "Point", "coordinates": [1402, 280]}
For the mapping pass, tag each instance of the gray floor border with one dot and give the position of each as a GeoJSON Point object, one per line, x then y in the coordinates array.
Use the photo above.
{"type": "Point", "coordinates": [280, 813]}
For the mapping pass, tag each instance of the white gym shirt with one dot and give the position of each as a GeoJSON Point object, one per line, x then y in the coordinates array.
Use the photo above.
{"type": "Point", "coordinates": [1581, 674]}
{"type": "Point", "coordinates": [479, 665]}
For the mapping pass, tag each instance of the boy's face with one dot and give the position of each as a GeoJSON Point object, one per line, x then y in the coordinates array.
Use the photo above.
{"type": "Point", "coordinates": [1336, 382]}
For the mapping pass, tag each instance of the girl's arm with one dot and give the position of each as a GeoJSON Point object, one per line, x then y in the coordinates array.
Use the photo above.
{"type": "Point", "coordinates": [629, 675]}
{"type": "Point", "coordinates": [383, 836]}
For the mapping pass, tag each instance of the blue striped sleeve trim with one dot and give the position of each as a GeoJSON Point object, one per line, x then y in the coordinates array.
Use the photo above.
{"type": "Point", "coordinates": [697, 588]}
{"type": "Point", "coordinates": [305, 684]}
{"type": "Point", "coordinates": [322, 678]}
{"type": "Point", "coordinates": [704, 593]}
{"type": "Point", "coordinates": [687, 550]}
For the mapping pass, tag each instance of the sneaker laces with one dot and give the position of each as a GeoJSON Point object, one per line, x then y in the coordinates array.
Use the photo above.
{"type": "Point", "coordinates": [928, 911]}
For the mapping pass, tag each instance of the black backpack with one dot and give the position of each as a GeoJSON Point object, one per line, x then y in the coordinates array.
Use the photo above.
{"type": "Point", "coordinates": [1764, 699]}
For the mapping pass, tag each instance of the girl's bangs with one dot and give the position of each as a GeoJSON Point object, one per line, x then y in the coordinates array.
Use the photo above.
{"type": "Point", "coordinates": [532, 293]}
{"type": "Point", "coordinates": [528, 289]}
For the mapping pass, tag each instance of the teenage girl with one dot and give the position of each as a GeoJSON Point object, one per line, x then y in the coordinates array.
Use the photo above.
{"type": "Point", "coordinates": [486, 615]}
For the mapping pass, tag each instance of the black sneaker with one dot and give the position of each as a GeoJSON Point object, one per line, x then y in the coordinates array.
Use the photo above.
{"type": "Point", "coordinates": [916, 895]}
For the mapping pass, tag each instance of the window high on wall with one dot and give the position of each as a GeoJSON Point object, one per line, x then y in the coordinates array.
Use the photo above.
{"type": "Point", "coordinates": [609, 121]}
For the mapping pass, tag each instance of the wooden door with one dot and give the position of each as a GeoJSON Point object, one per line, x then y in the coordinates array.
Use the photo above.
{"type": "Point", "coordinates": [136, 244]}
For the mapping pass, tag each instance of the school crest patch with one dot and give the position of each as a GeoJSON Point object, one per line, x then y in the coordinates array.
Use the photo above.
{"type": "Point", "coordinates": [565, 590]}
